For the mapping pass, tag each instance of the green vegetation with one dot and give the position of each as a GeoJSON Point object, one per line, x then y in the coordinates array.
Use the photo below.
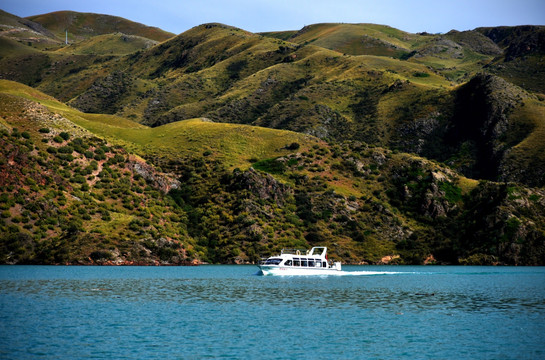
{"type": "Point", "coordinates": [85, 25]}
{"type": "Point", "coordinates": [72, 209]}
{"type": "Point", "coordinates": [109, 44]}
{"type": "Point", "coordinates": [223, 146]}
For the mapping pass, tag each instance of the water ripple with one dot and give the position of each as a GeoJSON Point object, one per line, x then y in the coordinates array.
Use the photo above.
{"type": "Point", "coordinates": [214, 312]}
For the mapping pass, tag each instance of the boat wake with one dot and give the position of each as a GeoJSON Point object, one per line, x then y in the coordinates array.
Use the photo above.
{"type": "Point", "coordinates": [368, 273]}
{"type": "Point", "coordinates": [350, 273]}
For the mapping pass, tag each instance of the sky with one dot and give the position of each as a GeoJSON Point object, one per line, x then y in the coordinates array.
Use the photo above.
{"type": "Point", "coordinates": [177, 16]}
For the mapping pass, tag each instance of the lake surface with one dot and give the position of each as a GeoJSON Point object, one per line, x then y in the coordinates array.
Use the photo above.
{"type": "Point", "coordinates": [386, 312]}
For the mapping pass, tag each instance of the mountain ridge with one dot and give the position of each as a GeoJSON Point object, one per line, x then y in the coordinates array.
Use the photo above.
{"type": "Point", "coordinates": [83, 25]}
{"type": "Point", "coordinates": [219, 145]}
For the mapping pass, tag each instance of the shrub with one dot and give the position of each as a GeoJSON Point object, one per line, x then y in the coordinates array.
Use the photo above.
{"type": "Point", "coordinates": [453, 193]}
{"type": "Point", "coordinates": [101, 255]}
{"type": "Point", "coordinates": [166, 253]}
{"type": "Point", "coordinates": [64, 135]}
{"type": "Point", "coordinates": [118, 159]}
{"type": "Point", "coordinates": [293, 146]}
{"type": "Point", "coordinates": [66, 157]}
{"type": "Point", "coordinates": [44, 130]}
{"type": "Point", "coordinates": [66, 149]}
{"type": "Point", "coordinates": [420, 74]}
{"type": "Point", "coordinates": [271, 166]}
{"type": "Point", "coordinates": [80, 179]}
{"type": "Point", "coordinates": [106, 216]}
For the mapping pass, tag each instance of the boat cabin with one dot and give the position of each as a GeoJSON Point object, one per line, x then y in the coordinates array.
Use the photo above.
{"type": "Point", "coordinates": [313, 258]}
{"type": "Point", "coordinates": [300, 262]}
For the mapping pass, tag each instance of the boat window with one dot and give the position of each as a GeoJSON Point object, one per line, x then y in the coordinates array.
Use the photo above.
{"type": "Point", "coordinates": [274, 261]}
{"type": "Point", "coordinates": [288, 263]}
{"type": "Point", "coordinates": [296, 262]}
{"type": "Point", "coordinates": [303, 262]}
{"type": "Point", "coordinates": [311, 262]}
{"type": "Point", "coordinates": [324, 264]}
{"type": "Point", "coordinates": [317, 262]}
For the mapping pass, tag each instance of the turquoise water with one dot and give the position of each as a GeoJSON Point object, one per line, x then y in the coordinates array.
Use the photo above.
{"type": "Point", "coordinates": [400, 312]}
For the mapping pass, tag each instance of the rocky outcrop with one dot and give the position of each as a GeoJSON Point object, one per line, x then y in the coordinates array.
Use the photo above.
{"type": "Point", "coordinates": [512, 169]}
{"type": "Point", "coordinates": [532, 42]}
{"type": "Point", "coordinates": [442, 48]}
{"type": "Point", "coordinates": [476, 133]}
{"type": "Point", "coordinates": [389, 259]}
{"type": "Point", "coordinates": [427, 191]}
{"type": "Point", "coordinates": [161, 182]}
{"type": "Point", "coordinates": [518, 41]}
{"type": "Point", "coordinates": [475, 41]}
{"type": "Point", "coordinates": [434, 203]}
{"type": "Point", "coordinates": [261, 185]}
{"type": "Point", "coordinates": [502, 224]}
{"type": "Point", "coordinates": [330, 123]}
{"type": "Point", "coordinates": [482, 110]}
{"type": "Point", "coordinates": [144, 252]}
{"type": "Point", "coordinates": [415, 136]}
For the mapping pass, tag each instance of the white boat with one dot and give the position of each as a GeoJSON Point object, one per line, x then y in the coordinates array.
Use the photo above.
{"type": "Point", "coordinates": [300, 262]}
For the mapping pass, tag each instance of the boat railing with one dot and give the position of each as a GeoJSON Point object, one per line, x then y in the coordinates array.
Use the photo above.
{"type": "Point", "coordinates": [294, 251]}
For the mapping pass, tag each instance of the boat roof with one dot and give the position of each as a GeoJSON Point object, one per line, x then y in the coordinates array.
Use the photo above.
{"type": "Point", "coordinates": [315, 251]}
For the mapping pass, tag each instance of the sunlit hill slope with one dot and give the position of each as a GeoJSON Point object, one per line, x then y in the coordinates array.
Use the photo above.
{"type": "Point", "coordinates": [134, 146]}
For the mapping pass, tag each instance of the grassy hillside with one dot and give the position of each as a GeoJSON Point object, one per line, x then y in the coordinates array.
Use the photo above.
{"type": "Point", "coordinates": [109, 44]}
{"type": "Point", "coordinates": [84, 25]}
{"type": "Point", "coordinates": [233, 145]}
{"type": "Point", "coordinates": [227, 74]}
{"type": "Point", "coordinates": [221, 145]}
{"type": "Point", "coordinates": [357, 39]}
{"type": "Point", "coordinates": [196, 198]}
{"type": "Point", "coordinates": [10, 48]}
{"type": "Point", "coordinates": [456, 55]}
{"type": "Point", "coordinates": [522, 60]}
{"type": "Point", "coordinates": [70, 197]}
{"type": "Point", "coordinates": [25, 31]}
{"type": "Point", "coordinates": [233, 66]}
{"type": "Point", "coordinates": [527, 157]}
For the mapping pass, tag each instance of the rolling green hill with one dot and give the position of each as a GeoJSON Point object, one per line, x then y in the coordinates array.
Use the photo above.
{"type": "Point", "coordinates": [85, 25]}
{"type": "Point", "coordinates": [220, 145]}
{"type": "Point", "coordinates": [233, 145]}
{"type": "Point", "coordinates": [195, 196]}
{"type": "Point", "coordinates": [522, 60]}
{"type": "Point", "coordinates": [109, 44]}
{"type": "Point", "coordinates": [25, 31]}
{"type": "Point", "coordinates": [229, 75]}
{"type": "Point", "coordinates": [357, 39]}
{"type": "Point", "coordinates": [455, 55]}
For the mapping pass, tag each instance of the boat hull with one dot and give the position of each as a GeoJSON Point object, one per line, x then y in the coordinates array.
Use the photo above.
{"type": "Point", "coordinates": [290, 271]}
